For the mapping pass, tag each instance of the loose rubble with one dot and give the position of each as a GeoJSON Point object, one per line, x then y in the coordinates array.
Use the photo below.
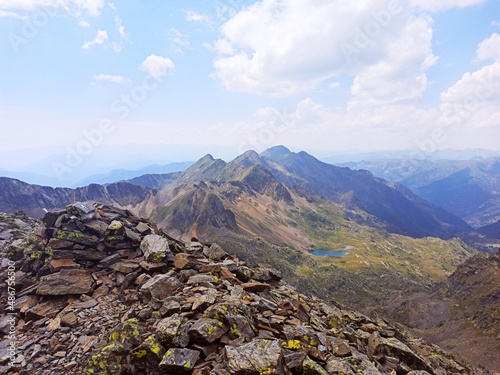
{"type": "Point", "coordinates": [101, 291]}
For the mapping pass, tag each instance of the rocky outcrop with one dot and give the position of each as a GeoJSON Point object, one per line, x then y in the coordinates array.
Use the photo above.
{"type": "Point", "coordinates": [101, 291]}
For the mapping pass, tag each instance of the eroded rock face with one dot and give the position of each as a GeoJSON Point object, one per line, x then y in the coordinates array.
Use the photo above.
{"type": "Point", "coordinates": [101, 291]}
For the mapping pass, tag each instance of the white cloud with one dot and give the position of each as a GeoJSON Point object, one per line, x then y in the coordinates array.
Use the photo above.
{"type": "Point", "coordinates": [198, 17]}
{"type": "Point", "coordinates": [489, 49]}
{"type": "Point", "coordinates": [92, 7]}
{"type": "Point", "coordinates": [474, 100]}
{"type": "Point", "coordinates": [108, 78]}
{"type": "Point", "coordinates": [178, 39]}
{"type": "Point", "coordinates": [334, 85]}
{"type": "Point", "coordinates": [100, 38]}
{"type": "Point", "coordinates": [120, 28]}
{"type": "Point", "coordinates": [281, 48]}
{"type": "Point", "coordinates": [439, 5]}
{"type": "Point", "coordinates": [400, 76]}
{"type": "Point", "coordinates": [118, 46]}
{"type": "Point", "coordinates": [320, 127]}
{"type": "Point", "coordinates": [84, 24]}
{"type": "Point", "coordinates": [157, 66]}
{"type": "Point", "coordinates": [495, 23]}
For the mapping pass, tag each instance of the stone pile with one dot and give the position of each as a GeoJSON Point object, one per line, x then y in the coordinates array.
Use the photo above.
{"type": "Point", "coordinates": [101, 291]}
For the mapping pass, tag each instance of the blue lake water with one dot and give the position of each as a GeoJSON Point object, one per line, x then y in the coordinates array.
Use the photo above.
{"type": "Point", "coordinates": [332, 253]}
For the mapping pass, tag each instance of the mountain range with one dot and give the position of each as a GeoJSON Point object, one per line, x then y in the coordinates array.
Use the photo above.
{"type": "Point", "coordinates": [274, 207]}
{"type": "Point", "coordinates": [467, 188]}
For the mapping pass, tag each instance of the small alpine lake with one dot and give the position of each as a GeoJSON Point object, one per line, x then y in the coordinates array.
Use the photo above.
{"type": "Point", "coordinates": [340, 252]}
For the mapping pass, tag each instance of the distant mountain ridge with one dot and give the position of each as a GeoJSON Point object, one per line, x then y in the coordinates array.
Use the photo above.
{"type": "Point", "coordinates": [466, 188]}
{"type": "Point", "coordinates": [16, 195]}
{"type": "Point", "coordinates": [278, 169]}
{"type": "Point", "coordinates": [127, 174]}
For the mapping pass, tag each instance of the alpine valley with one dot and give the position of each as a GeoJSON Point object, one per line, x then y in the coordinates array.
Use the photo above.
{"type": "Point", "coordinates": [398, 251]}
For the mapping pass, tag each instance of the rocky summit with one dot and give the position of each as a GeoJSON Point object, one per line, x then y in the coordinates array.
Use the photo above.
{"type": "Point", "coordinates": [101, 291]}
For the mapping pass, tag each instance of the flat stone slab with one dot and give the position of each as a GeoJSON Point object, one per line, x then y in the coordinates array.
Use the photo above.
{"type": "Point", "coordinates": [67, 281]}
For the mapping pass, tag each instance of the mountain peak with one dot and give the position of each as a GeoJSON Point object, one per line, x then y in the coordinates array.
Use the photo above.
{"type": "Point", "coordinates": [276, 153]}
{"type": "Point", "coordinates": [207, 157]}
{"type": "Point", "coordinates": [248, 159]}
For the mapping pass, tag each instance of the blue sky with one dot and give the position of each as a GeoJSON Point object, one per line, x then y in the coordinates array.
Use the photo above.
{"type": "Point", "coordinates": [90, 76]}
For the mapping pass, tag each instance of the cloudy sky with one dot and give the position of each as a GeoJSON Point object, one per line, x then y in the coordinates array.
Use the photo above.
{"type": "Point", "coordinates": [84, 76]}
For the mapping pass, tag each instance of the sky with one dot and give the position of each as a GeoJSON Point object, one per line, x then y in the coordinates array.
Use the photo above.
{"type": "Point", "coordinates": [83, 80]}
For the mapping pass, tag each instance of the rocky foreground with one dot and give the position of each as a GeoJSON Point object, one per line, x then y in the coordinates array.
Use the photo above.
{"type": "Point", "coordinates": [101, 291]}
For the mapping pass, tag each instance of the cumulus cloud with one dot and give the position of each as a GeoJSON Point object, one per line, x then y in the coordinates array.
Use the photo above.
{"type": "Point", "coordinates": [281, 48]}
{"type": "Point", "coordinates": [489, 49]}
{"type": "Point", "coordinates": [157, 66]}
{"type": "Point", "coordinates": [474, 100]}
{"type": "Point", "coordinates": [312, 123]}
{"type": "Point", "coordinates": [400, 76]}
{"type": "Point", "coordinates": [108, 78]}
{"type": "Point", "coordinates": [100, 38]}
{"type": "Point", "coordinates": [91, 7]}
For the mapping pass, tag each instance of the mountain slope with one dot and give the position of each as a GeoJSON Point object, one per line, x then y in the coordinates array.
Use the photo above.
{"type": "Point", "coordinates": [280, 226]}
{"type": "Point", "coordinates": [471, 193]}
{"type": "Point", "coordinates": [404, 213]}
{"type": "Point", "coordinates": [390, 205]}
{"type": "Point", "coordinates": [491, 230]}
{"type": "Point", "coordinates": [462, 314]}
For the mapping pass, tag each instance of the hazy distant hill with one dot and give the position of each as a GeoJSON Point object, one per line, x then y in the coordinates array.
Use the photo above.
{"type": "Point", "coordinates": [491, 230]}
{"type": "Point", "coordinates": [127, 174]}
{"type": "Point", "coordinates": [467, 188]}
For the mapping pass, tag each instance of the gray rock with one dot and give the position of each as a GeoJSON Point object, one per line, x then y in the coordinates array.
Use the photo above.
{"type": "Point", "coordinates": [173, 331]}
{"type": "Point", "coordinates": [257, 357]}
{"type": "Point", "coordinates": [214, 252]}
{"type": "Point", "coordinates": [155, 248]}
{"type": "Point", "coordinates": [161, 286]}
{"type": "Point", "coordinates": [179, 359]}
{"type": "Point", "coordinates": [206, 330]}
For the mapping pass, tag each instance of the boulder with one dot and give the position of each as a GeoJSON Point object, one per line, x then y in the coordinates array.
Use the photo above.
{"type": "Point", "coordinates": [155, 248]}
{"type": "Point", "coordinates": [161, 286]}
{"type": "Point", "coordinates": [257, 357]}
{"type": "Point", "coordinates": [176, 359]}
